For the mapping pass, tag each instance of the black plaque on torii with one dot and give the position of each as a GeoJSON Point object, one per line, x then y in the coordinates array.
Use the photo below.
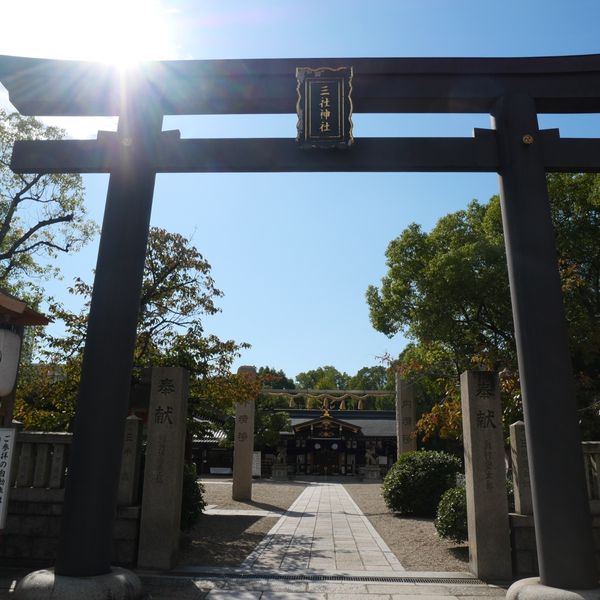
{"type": "Point", "coordinates": [324, 107]}
{"type": "Point", "coordinates": [512, 90]}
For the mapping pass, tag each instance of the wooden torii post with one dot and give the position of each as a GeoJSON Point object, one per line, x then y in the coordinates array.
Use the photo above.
{"type": "Point", "coordinates": [514, 91]}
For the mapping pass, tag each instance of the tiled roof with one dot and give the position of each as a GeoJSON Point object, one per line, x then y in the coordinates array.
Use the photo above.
{"type": "Point", "coordinates": [371, 427]}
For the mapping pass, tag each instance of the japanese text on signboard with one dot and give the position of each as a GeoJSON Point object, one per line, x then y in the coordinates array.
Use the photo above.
{"type": "Point", "coordinates": [324, 107]}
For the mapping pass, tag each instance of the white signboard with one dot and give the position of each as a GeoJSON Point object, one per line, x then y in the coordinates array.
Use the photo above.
{"type": "Point", "coordinates": [7, 444]}
{"type": "Point", "coordinates": [256, 468]}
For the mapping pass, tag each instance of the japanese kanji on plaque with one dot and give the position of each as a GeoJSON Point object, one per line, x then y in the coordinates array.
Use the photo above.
{"type": "Point", "coordinates": [324, 107]}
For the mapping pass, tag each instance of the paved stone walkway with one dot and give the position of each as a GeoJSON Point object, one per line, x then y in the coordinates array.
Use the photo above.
{"type": "Point", "coordinates": [322, 548]}
{"type": "Point", "coordinates": [323, 529]}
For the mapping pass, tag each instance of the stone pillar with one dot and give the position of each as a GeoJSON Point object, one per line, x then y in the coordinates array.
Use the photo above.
{"type": "Point", "coordinates": [129, 480]}
{"type": "Point", "coordinates": [243, 445]}
{"type": "Point", "coordinates": [520, 469]}
{"type": "Point", "coordinates": [163, 472]}
{"type": "Point", "coordinates": [405, 415]}
{"type": "Point", "coordinates": [485, 475]}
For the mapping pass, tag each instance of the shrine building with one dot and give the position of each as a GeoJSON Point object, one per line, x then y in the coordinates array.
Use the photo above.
{"type": "Point", "coordinates": [320, 443]}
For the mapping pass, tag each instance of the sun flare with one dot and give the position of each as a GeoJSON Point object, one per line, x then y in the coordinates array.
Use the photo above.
{"type": "Point", "coordinates": [121, 32]}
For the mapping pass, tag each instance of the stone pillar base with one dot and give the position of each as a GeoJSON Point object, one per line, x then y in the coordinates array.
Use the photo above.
{"type": "Point", "coordinates": [119, 584]}
{"type": "Point", "coordinates": [372, 472]}
{"type": "Point", "coordinates": [532, 589]}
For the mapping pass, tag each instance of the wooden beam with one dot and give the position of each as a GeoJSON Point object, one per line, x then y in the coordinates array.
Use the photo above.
{"type": "Point", "coordinates": [570, 155]}
{"type": "Point", "coordinates": [265, 155]}
{"type": "Point", "coordinates": [380, 85]}
{"type": "Point", "coordinates": [269, 155]}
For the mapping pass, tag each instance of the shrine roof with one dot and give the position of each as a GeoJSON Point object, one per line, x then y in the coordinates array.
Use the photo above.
{"type": "Point", "coordinates": [371, 423]}
{"type": "Point", "coordinates": [16, 312]}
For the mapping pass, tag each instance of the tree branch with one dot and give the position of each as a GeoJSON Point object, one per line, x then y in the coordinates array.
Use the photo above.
{"type": "Point", "coordinates": [13, 207]}
{"type": "Point", "coordinates": [41, 224]}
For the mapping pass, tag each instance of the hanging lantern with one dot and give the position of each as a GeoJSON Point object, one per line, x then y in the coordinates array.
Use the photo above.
{"type": "Point", "coordinates": [10, 345]}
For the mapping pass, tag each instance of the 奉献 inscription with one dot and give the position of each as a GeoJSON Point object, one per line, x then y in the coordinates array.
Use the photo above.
{"type": "Point", "coordinates": [485, 475]}
{"type": "Point", "coordinates": [163, 474]}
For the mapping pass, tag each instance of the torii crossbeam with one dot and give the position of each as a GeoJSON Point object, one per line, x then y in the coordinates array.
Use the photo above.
{"type": "Point", "coordinates": [513, 91]}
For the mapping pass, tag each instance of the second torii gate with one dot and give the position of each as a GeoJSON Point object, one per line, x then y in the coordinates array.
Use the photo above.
{"type": "Point", "coordinates": [513, 91]}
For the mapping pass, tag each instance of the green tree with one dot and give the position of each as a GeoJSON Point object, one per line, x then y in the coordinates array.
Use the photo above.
{"type": "Point", "coordinates": [372, 378]}
{"type": "Point", "coordinates": [323, 378]}
{"type": "Point", "coordinates": [270, 420]}
{"type": "Point", "coordinates": [375, 378]}
{"type": "Point", "coordinates": [447, 291]}
{"type": "Point", "coordinates": [178, 292]}
{"type": "Point", "coordinates": [275, 379]}
{"type": "Point", "coordinates": [41, 216]}
{"type": "Point", "coordinates": [449, 286]}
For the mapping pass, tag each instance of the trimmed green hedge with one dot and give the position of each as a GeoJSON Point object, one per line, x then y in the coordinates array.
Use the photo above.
{"type": "Point", "coordinates": [416, 482]}
{"type": "Point", "coordinates": [451, 519]}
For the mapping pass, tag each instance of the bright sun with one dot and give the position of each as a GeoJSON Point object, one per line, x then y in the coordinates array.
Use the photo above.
{"type": "Point", "coordinates": [121, 32]}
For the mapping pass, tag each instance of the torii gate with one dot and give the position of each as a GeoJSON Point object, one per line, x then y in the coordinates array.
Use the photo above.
{"type": "Point", "coordinates": [513, 91]}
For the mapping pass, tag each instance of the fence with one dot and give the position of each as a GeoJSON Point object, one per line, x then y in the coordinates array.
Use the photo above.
{"type": "Point", "coordinates": [40, 465]}
{"type": "Point", "coordinates": [591, 459]}
{"type": "Point", "coordinates": [522, 525]}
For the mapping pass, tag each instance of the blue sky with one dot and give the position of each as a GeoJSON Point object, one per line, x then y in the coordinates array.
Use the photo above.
{"type": "Point", "coordinates": [294, 253]}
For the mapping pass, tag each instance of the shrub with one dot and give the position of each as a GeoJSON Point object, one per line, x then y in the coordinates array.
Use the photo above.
{"type": "Point", "coordinates": [192, 498]}
{"type": "Point", "coordinates": [416, 482]}
{"type": "Point", "coordinates": [451, 519]}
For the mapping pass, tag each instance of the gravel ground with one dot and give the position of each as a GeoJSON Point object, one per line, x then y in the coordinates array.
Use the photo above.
{"type": "Point", "coordinates": [218, 540]}
{"type": "Point", "coordinates": [414, 541]}
{"type": "Point", "coordinates": [227, 540]}
{"type": "Point", "coordinates": [266, 495]}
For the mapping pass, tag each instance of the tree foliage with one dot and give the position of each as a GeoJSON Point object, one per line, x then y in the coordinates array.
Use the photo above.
{"type": "Point", "coordinates": [447, 291]}
{"type": "Point", "coordinates": [367, 378]}
{"type": "Point", "coordinates": [177, 293]}
{"type": "Point", "coordinates": [374, 378]}
{"type": "Point", "coordinates": [41, 216]}
{"type": "Point", "coordinates": [323, 378]}
{"type": "Point", "coordinates": [275, 379]}
{"type": "Point", "coordinates": [449, 286]}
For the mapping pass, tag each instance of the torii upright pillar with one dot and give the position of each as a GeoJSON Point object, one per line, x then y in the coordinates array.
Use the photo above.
{"type": "Point", "coordinates": [106, 372]}
{"type": "Point", "coordinates": [560, 505]}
